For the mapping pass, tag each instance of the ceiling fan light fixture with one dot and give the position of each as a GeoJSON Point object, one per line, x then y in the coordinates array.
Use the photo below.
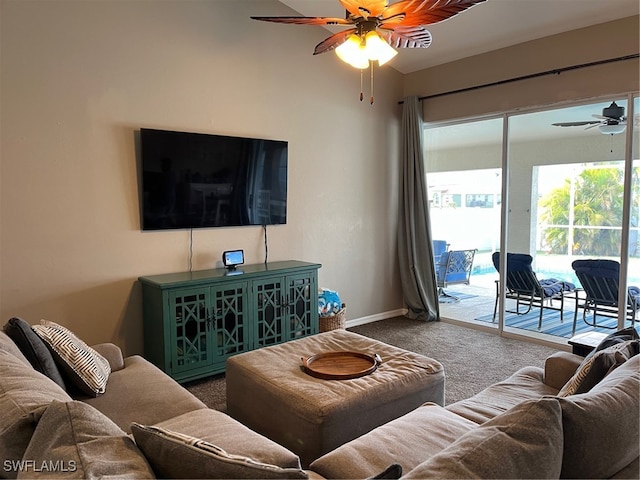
{"type": "Point", "coordinates": [353, 52]}
{"type": "Point", "coordinates": [612, 129]}
{"type": "Point", "coordinates": [357, 51]}
{"type": "Point", "coordinates": [378, 49]}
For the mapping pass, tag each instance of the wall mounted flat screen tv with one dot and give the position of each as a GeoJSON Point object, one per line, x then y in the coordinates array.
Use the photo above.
{"type": "Point", "coordinates": [195, 180]}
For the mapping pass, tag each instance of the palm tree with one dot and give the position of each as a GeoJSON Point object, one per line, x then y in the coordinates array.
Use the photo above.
{"type": "Point", "coordinates": [597, 213]}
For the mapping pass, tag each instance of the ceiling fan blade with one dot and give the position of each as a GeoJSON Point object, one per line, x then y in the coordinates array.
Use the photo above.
{"type": "Point", "coordinates": [611, 119]}
{"type": "Point", "coordinates": [576, 124]}
{"type": "Point", "coordinates": [596, 125]}
{"type": "Point", "coordinates": [306, 20]}
{"type": "Point", "coordinates": [426, 12]}
{"type": "Point", "coordinates": [365, 8]}
{"type": "Point", "coordinates": [415, 37]}
{"type": "Point", "coordinates": [333, 41]}
{"type": "Point", "coordinates": [393, 19]}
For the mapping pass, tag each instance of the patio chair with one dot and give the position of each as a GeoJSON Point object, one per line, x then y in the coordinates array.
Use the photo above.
{"type": "Point", "coordinates": [454, 267]}
{"type": "Point", "coordinates": [600, 281]}
{"type": "Point", "coordinates": [439, 247]}
{"type": "Point", "coordinates": [524, 287]}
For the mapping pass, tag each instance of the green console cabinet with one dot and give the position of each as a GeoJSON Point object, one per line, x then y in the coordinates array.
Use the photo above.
{"type": "Point", "coordinates": [193, 321]}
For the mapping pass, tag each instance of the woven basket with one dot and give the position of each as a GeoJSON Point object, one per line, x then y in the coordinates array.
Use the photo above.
{"type": "Point", "coordinates": [335, 321]}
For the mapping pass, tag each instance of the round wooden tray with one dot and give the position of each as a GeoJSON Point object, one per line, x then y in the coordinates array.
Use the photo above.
{"type": "Point", "coordinates": [340, 365]}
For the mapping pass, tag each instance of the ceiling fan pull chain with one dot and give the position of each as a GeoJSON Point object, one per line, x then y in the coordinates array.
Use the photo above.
{"type": "Point", "coordinates": [371, 67]}
{"type": "Point", "coordinates": [361, 83]}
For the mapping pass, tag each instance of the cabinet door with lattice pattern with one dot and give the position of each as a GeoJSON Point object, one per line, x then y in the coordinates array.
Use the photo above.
{"type": "Point", "coordinates": [230, 319]}
{"type": "Point", "coordinates": [190, 335]}
{"type": "Point", "coordinates": [269, 311]}
{"type": "Point", "coordinates": [302, 300]}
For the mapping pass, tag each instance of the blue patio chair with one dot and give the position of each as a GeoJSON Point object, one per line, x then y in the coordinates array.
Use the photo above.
{"type": "Point", "coordinates": [524, 287]}
{"type": "Point", "coordinates": [439, 247]}
{"type": "Point", "coordinates": [600, 281]}
{"type": "Point", "coordinates": [454, 267]}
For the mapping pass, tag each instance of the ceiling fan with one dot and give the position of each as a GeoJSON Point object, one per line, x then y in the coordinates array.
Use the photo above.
{"type": "Point", "coordinates": [612, 121]}
{"type": "Point", "coordinates": [375, 28]}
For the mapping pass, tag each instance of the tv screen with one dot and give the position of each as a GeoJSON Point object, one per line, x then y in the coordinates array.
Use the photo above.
{"type": "Point", "coordinates": [194, 180]}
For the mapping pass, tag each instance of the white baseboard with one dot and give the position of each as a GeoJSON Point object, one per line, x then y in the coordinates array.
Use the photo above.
{"type": "Point", "coordinates": [374, 318]}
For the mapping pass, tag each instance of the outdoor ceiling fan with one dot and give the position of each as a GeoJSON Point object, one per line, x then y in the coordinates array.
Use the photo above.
{"type": "Point", "coordinates": [377, 28]}
{"type": "Point", "coordinates": [611, 122]}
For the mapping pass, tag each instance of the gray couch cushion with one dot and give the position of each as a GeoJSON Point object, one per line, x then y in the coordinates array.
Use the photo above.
{"type": "Point", "coordinates": [9, 346]}
{"type": "Point", "coordinates": [134, 393]}
{"type": "Point", "coordinates": [33, 348]}
{"type": "Point", "coordinates": [603, 422]}
{"type": "Point", "coordinates": [526, 384]}
{"type": "Point", "coordinates": [74, 440]}
{"type": "Point", "coordinates": [408, 441]}
{"type": "Point", "coordinates": [176, 455]}
{"type": "Point", "coordinates": [24, 394]}
{"type": "Point", "coordinates": [525, 442]}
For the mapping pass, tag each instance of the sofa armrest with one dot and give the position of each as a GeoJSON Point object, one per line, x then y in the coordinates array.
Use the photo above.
{"type": "Point", "coordinates": [112, 353]}
{"type": "Point", "coordinates": [560, 367]}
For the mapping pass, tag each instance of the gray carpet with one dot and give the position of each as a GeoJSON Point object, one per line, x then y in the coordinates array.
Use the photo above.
{"type": "Point", "coordinates": [472, 359]}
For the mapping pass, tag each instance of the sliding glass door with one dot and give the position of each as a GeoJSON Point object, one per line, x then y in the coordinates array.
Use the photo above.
{"type": "Point", "coordinates": [464, 181]}
{"type": "Point", "coordinates": [568, 173]}
{"type": "Point", "coordinates": [566, 194]}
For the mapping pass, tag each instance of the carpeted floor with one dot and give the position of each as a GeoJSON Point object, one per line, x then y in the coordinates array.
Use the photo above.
{"type": "Point", "coordinates": [472, 359]}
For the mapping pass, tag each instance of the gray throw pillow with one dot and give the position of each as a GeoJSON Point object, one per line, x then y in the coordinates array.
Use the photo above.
{"type": "Point", "coordinates": [176, 455]}
{"type": "Point", "coordinates": [74, 440]}
{"type": "Point", "coordinates": [231, 436]}
{"type": "Point", "coordinates": [33, 348]}
{"type": "Point", "coordinates": [524, 442]}
{"type": "Point", "coordinates": [24, 394]}
{"type": "Point", "coordinates": [600, 427]}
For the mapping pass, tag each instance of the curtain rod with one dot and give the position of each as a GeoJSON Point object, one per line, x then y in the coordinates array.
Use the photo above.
{"type": "Point", "coordinates": [555, 71]}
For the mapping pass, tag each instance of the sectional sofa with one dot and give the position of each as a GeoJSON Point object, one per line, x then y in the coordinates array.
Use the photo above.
{"type": "Point", "coordinates": [145, 425]}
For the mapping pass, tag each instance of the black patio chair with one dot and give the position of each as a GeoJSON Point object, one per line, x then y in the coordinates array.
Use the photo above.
{"type": "Point", "coordinates": [600, 280]}
{"type": "Point", "coordinates": [454, 267]}
{"type": "Point", "coordinates": [524, 287]}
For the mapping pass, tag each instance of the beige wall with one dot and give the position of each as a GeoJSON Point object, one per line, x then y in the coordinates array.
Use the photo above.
{"type": "Point", "coordinates": [79, 78]}
{"type": "Point", "coordinates": [600, 42]}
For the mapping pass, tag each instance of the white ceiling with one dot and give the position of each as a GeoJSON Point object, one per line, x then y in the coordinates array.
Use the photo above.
{"type": "Point", "coordinates": [487, 26]}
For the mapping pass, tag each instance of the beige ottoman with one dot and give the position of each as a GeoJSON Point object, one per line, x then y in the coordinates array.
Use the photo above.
{"type": "Point", "coordinates": [268, 391]}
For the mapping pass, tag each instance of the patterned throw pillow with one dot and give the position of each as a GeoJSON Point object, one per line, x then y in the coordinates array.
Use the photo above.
{"type": "Point", "coordinates": [176, 455]}
{"type": "Point", "coordinates": [85, 368]}
{"type": "Point", "coordinates": [595, 367]}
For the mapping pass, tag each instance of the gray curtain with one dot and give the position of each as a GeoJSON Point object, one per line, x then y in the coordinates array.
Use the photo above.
{"type": "Point", "coordinates": [415, 250]}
